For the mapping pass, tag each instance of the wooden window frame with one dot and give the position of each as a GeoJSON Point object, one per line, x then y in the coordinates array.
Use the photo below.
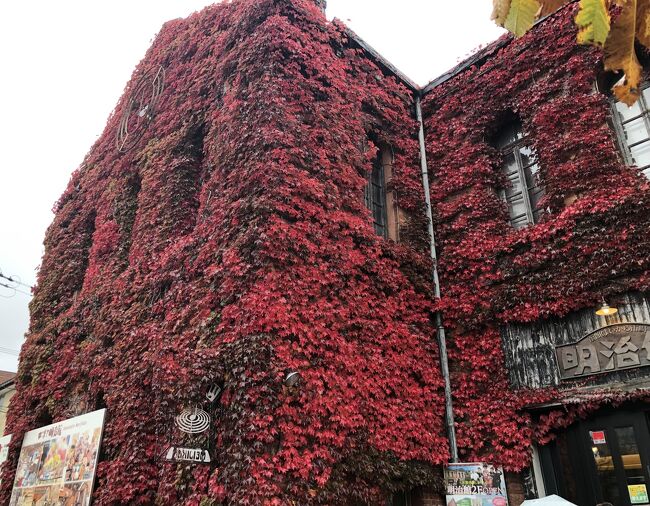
{"type": "Point", "coordinates": [515, 148]}
{"type": "Point", "coordinates": [387, 221]}
{"type": "Point", "coordinates": [375, 197]}
{"type": "Point", "coordinates": [621, 135]}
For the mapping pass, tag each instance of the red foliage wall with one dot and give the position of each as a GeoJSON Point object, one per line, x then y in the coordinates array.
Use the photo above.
{"type": "Point", "coordinates": [232, 244]}
{"type": "Point", "coordinates": [492, 274]}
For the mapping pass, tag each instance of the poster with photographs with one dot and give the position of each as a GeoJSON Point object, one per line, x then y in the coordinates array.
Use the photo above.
{"type": "Point", "coordinates": [475, 485]}
{"type": "Point", "coordinates": [4, 450]}
{"type": "Point", "coordinates": [57, 463]}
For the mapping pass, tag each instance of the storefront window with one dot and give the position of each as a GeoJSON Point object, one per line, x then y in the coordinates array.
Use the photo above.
{"type": "Point", "coordinates": [634, 474]}
{"type": "Point", "coordinates": [605, 466]}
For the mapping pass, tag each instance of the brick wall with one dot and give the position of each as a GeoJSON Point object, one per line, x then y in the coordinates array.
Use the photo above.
{"type": "Point", "coordinates": [514, 484]}
{"type": "Point", "coordinates": [426, 497]}
{"type": "Point", "coordinates": [515, 487]}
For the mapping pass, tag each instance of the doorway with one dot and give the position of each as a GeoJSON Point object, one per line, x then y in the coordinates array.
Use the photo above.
{"type": "Point", "coordinates": [604, 459]}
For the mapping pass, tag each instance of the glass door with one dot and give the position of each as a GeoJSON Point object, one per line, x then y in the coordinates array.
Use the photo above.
{"type": "Point", "coordinates": [619, 457]}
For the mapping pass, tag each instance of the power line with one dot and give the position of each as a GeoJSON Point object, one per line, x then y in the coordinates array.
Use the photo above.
{"type": "Point", "coordinates": [15, 289]}
{"type": "Point", "coordinates": [14, 280]}
{"type": "Point", "coordinates": [9, 351]}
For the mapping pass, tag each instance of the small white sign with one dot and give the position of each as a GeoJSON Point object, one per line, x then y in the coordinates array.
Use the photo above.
{"type": "Point", "coordinates": [598, 437]}
{"type": "Point", "coordinates": [189, 455]}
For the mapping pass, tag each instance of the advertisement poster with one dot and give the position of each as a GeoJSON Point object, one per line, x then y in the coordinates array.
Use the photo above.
{"type": "Point", "coordinates": [57, 463]}
{"type": "Point", "coordinates": [4, 450]}
{"type": "Point", "coordinates": [638, 494]}
{"type": "Point", "coordinates": [475, 484]}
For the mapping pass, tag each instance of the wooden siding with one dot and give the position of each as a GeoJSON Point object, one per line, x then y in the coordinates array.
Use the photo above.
{"type": "Point", "coordinates": [530, 349]}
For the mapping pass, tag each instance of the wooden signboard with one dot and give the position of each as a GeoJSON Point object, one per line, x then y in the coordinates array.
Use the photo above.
{"type": "Point", "coordinates": [612, 348]}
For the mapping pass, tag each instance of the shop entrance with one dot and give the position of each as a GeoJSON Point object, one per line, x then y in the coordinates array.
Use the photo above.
{"type": "Point", "coordinates": [605, 459]}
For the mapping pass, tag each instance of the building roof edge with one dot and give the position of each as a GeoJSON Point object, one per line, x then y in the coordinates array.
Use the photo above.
{"type": "Point", "coordinates": [380, 60]}
{"type": "Point", "coordinates": [7, 384]}
{"type": "Point", "coordinates": [483, 54]}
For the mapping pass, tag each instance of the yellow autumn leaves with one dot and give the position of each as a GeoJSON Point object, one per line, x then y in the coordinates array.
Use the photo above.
{"type": "Point", "coordinates": [614, 25]}
{"type": "Point", "coordinates": [518, 16]}
{"type": "Point", "coordinates": [594, 22]}
{"type": "Point", "coordinates": [620, 53]}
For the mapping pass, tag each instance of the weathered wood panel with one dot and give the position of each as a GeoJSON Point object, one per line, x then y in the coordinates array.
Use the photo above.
{"type": "Point", "coordinates": [530, 349]}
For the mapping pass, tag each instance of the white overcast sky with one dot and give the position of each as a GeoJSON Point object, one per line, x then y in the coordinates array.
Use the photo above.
{"type": "Point", "coordinates": [64, 65]}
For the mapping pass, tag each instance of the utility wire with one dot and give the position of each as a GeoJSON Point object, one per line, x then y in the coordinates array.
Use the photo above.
{"type": "Point", "coordinates": [15, 289]}
{"type": "Point", "coordinates": [9, 351]}
{"type": "Point", "coordinates": [13, 280]}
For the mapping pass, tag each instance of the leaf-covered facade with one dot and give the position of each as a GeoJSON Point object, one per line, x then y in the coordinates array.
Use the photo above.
{"type": "Point", "coordinates": [217, 238]}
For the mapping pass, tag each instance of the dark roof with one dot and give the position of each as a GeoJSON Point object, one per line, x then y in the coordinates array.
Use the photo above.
{"type": "Point", "coordinates": [6, 377]}
{"type": "Point", "coordinates": [380, 60]}
{"type": "Point", "coordinates": [477, 58]}
{"type": "Point", "coordinates": [484, 54]}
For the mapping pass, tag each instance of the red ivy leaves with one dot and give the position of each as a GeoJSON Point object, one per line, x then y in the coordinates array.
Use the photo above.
{"type": "Point", "coordinates": [232, 245]}
{"type": "Point", "coordinates": [491, 274]}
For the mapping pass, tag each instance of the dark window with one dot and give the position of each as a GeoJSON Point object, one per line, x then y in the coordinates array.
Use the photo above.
{"type": "Point", "coordinates": [401, 499]}
{"type": "Point", "coordinates": [633, 129]}
{"type": "Point", "coordinates": [376, 196]}
{"type": "Point", "coordinates": [523, 191]}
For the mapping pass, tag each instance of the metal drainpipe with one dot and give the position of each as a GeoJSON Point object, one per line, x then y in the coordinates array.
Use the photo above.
{"type": "Point", "coordinates": [442, 339]}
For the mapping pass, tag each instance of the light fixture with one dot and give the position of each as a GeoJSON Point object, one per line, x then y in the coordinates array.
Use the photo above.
{"type": "Point", "coordinates": [292, 379]}
{"type": "Point", "coordinates": [606, 310]}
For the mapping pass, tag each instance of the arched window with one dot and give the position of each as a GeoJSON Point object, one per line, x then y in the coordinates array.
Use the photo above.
{"type": "Point", "coordinates": [519, 164]}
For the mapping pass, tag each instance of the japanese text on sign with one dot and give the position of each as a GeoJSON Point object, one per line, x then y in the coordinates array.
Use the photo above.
{"type": "Point", "coordinates": [613, 348]}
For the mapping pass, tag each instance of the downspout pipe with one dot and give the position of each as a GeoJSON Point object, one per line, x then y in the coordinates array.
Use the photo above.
{"type": "Point", "coordinates": [442, 339]}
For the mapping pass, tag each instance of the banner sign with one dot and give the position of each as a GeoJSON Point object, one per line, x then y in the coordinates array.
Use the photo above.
{"type": "Point", "coordinates": [57, 463]}
{"type": "Point", "coordinates": [475, 484]}
{"type": "Point", "coordinates": [614, 348]}
{"type": "Point", "coordinates": [4, 450]}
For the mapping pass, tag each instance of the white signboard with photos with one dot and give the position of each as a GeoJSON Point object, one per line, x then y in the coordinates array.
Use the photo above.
{"type": "Point", "coordinates": [57, 463]}
{"type": "Point", "coordinates": [475, 484]}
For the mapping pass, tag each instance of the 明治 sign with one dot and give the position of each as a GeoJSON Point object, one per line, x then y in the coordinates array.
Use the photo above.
{"type": "Point", "coordinates": [612, 348]}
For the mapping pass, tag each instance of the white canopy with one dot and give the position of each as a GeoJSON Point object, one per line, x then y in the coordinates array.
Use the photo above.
{"type": "Point", "coordinates": [551, 500]}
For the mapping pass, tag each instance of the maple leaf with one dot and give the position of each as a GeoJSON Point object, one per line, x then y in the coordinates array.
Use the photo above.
{"type": "Point", "coordinates": [550, 6]}
{"type": "Point", "coordinates": [594, 22]}
{"type": "Point", "coordinates": [500, 11]}
{"type": "Point", "coordinates": [620, 53]}
{"type": "Point", "coordinates": [643, 22]}
{"type": "Point", "coordinates": [521, 16]}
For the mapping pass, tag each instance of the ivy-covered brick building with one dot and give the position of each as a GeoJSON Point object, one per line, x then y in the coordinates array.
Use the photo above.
{"type": "Point", "coordinates": [541, 200]}
{"type": "Point", "coordinates": [252, 229]}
